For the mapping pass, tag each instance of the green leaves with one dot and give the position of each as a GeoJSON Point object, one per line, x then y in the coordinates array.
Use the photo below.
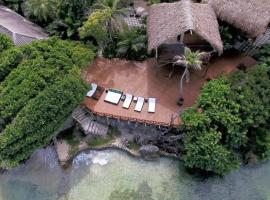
{"type": "Point", "coordinates": [41, 10]}
{"type": "Point", "coordinates": [231, 116]}
{"type": "Point", "coordinates": [5, 42]}
{"type": "Point", "coordinates": [95, 26]}
{"type": "Point", "coordinates": [39, 91]}
{"type": "Point", "coordinates": [132, 44]}
{"type": "Point", "coordinates": [208, 123]}
{"type": "Point", "coordinates": [9, 60]}
{"type": "Point", "coordinates": [37, 122]}
{"type": "Point", "coordinates": [104, 21]}
{"type": "Point", "coordinates": [264, 55]}
{"type": "Point", "coordinates": [205, 151]}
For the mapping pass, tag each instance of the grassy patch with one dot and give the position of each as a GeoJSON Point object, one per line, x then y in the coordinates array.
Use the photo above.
{"type": "Point", "coordinates": [74, 149]}
{"type": "Point", "coordinates": [133, 145]}
{"type": "Point", "coordinates": [100, 141]}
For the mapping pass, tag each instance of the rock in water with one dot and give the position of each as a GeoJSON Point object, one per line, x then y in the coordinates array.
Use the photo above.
{"type": "Point", "coordinates": [149, 152]}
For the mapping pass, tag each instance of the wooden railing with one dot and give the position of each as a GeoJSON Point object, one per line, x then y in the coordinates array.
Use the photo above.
{"type": "Point", "coordinates": [136, 120]}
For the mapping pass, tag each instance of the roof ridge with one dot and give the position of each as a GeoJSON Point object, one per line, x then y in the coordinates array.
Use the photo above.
{"type": "Point", "coordinates": [188, 13]}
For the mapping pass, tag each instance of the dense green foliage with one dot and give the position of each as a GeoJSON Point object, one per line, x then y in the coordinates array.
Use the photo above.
{"type": "Point", "coordinates": [37, 122]}
{"type": "Point", "coordinates": [230, 35]}
{"type": "Point", "coordinates": [264, 54]}
{"type": "Point", "coordinates": [13, 4]}
{"type": "Point", "coordinates": [5, 42]}
{"type": "Point", "coordinates": [70, 16]}
{"type": "Point", "coordinates": [9, 60]}
{"type": "Point", "coordinates": [130, 44]}
{"type": "Point", "coordinates": [40, 86]}
{"type": "Point", "coordinates": [104, 22]}
{"type": "Point", "coordinates": [252, 91]}
{"type": "Point", "coordinates": [42, 11]}
{"type": "Point", "coordinates": [231, 117]}
{"type": "Point", "coordinates": [60, 17]}
{"type": "Point", "coordinates": [98, 22]}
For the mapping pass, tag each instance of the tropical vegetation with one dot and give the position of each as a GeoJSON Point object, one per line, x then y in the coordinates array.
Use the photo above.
{"type": "Point", "coordinates": [229, 120]}
{"type": "Point", "coordinates": [40, 85]}
{"type": "Point", "coordinates": [41, 11]}
{"type": "Point", "coordinates": [263, 54]}
{"type": "Point", "coordinates": [104, 22]}
{"type": "Point", "coordinates": [5, 43]}
{"type": "Point", "coordinates": [131, 43]}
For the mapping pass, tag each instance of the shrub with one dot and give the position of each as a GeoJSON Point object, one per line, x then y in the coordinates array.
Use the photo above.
{"type": "Point", "coordinates": [5, 42]}
{"type": "Point", "coordinates": [38, 121]}
{"type": "Point", "coordinates": [205, 151]}
{"type": "Point", "coordinates": [251, 91]}
{"type": "Point", "coordinates": [264, 55]}
{"type": "Point", "coordinates": [9, 60]}
{"type": "Point", "coordinates": [231, 116]}
{"type": "Point", "coordinates": [53, 59]}
{"type": "Point", "coordinates": [37, 94]}
{"type": "Point", "coordinates": [130, 44]}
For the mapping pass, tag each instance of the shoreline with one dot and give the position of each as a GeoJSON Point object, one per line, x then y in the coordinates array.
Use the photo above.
{"type": "Point", "coordinates": [133, 153]}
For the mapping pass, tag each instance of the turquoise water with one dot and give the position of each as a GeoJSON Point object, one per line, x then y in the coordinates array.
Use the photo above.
{"type": "Point", "coordinates": [114, 175]}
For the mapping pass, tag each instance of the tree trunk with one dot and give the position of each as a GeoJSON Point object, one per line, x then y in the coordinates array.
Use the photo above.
{"type": "Point", "coordinates": [181, 83]}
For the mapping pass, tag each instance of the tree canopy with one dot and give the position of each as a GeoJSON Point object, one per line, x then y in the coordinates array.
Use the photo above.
{"type": "Point", "coordinates": [230, 119]}
{"type": "Point", "coordinates": [40, 85]}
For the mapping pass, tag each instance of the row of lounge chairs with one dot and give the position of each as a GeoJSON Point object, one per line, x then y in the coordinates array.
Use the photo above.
{"type": "Point", "coordinates": [114, 96]}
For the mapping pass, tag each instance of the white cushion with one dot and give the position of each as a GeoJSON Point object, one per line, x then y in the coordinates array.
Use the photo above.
{"type": "Point", "coordinates": [127, 101]}
{"type": "Point", "coordinates": [139, 104]}
{"type": "Point", "coordinates": [151, 105]}
{"type": "Point", "coordinates": [113, 97]}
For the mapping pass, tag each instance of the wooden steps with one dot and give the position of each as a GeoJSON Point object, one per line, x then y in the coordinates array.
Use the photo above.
{"type": "Point", "coordinates": [88, 124]}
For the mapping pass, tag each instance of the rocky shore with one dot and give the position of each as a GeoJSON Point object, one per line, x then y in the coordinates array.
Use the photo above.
{"type": "Point", "coordinates": [136, 142]}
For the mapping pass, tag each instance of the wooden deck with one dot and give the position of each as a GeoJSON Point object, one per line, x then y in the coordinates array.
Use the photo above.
{"type": "Point", "coordinates": [142, 79]}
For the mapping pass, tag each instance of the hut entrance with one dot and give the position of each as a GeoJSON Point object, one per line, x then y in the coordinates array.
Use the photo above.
{"type": "Point", "coordinates": [166, 54]}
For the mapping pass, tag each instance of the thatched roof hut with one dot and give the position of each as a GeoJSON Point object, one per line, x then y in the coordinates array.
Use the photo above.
{"type": "Point", "coordinates": [168, 20]}
{"type": "Point", "coordinates": [251, 16]}
{"type": "Point", "coordinates": [18, 28]}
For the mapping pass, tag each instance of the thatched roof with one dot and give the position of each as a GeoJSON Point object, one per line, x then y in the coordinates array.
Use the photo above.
{"type": "Point", "coordinates": [251, 16]}
{"type": "Point", "coordinates": [21, 30]}
{"type": "Point", "coordinates": [167, 20]}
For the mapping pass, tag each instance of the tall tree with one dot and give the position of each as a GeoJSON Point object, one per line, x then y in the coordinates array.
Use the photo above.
{"type": "Point", "coordinates": [106, 18]}
{"type": "Point", "coordinates": [132, 44]}
{"type": "Point", "coordinates": [42, 11]}
{"type": "Point", "coordinates": [71, 15]}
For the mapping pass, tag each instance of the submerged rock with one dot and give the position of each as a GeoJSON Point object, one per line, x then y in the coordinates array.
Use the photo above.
{"type": "Point", "coordinates": [149, 152]}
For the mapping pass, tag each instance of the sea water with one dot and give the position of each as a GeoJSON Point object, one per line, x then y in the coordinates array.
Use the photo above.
{"type": "Point", "coordinates": [115, 175]}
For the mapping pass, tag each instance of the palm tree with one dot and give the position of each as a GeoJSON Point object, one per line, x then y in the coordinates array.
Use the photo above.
{"type": "Point", "coordinates": [41, 10]}
{"type": "Point", "coordinates": [71, 14]}
{"type": "Point", "coordinates": [114, 14]}
{"type": "Point", "coordinates": [132, 44]}
{"type": "Point", "coordinates": [189, 60]}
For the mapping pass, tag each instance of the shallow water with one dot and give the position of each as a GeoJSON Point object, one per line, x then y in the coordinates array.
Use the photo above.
{"type": "Point", "coordinates": [114, 175]}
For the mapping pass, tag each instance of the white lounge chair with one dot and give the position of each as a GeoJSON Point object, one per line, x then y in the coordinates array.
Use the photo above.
{"type": "Point", "coordinates": [92, 91]}
{"type": "Point", "coordinates": [113, 96]}
{"type": "Point", "coordinates": [152, 105]}
{"type": "Point", "coordinates": [139, 104]}
{"type": "Point", "coordinates": [127, 101]}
